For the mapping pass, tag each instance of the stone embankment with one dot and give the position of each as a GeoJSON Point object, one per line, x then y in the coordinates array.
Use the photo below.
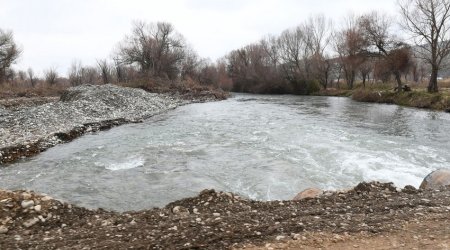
{"type": "Point", "coordinates": [217, 220]}
{"type": "Point", "coordinates": [26, 130]}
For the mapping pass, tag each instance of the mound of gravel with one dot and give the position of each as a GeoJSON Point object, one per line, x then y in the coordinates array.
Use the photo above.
{"type": "Point", "coordinates": [85, 104]}
{"type": "Point", "coordinates": [215, 220]}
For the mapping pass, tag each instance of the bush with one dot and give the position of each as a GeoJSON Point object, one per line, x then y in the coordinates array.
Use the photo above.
{"type": "Point", "coordinates": [305, 87]}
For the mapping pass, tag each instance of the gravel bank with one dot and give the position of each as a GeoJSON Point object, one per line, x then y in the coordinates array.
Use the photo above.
{"type": "Point", "coordinates": [29, 130]}
{"type": "Point", "coordinates": [217, 220]}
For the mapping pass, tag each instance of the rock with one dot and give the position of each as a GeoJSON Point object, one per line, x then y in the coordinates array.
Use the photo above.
{"type": "Point", "coordinates": [26, 196]}
{"type": "Point", "coordinates": [37, 208]}
{"type": "Point", "coordinates": [30, 222]}
{"type": "Point", "coordinates": [280, 237]}
{"type": "Point", "coordinates": [3, 229]}
{"type": "Point", "coordinates": [176, 210]}
{"type": "Point", "coordinates": [408, 189]}
{"type": "Point", "coordinates": [436, 179]}
{"type": "Point", "coordinates": [216, 214]}
{"type": "Point", "coordinates": [27, 203]}
{"type": "Point", "coordinates": [46, 198]}
{"type": "Point", "coordinates": [308, 193]}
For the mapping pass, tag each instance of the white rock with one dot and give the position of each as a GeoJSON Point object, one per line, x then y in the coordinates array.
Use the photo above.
{"type": "Point", "coordinates": [176, 209]}
{"type": "Point", "coordinates": [30, 222]}
{"type": "Point", "coordinates": [26, 196]}
{"type": "Point", "coordinates": [3, 230]}
{"type": "Point", "coordinates": [280, 237]}
{"type": "Point", "coordinates": [37, 208]}
{"type": "Point", "coordinates": [41, 218]}
{"type": "Point", "coordinates": [296, 236]}
{"type": "Point", "coordinates": [46, 198]}
{"type": "Point", "coordinates": [27, 203]}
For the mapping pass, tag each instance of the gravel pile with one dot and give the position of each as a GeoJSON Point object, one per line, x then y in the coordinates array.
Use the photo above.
{"type": "Point", "coordinates": [215, 220]}
{"type": "Point", "coordinates": [81, 109]}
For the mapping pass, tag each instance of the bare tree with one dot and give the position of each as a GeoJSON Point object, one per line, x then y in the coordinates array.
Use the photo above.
{"type": "Point", "coordinates": [429, 23]}
{"type": "Point", "coordinates": [22, 75]}
{"type": "Point", "coordinates": [51, 76]}
{"type": "Point", "coordinates": [156, 48]}
{"type": "Point", "coordinates": [32, 77]}
{"type": "Point", "coordinates": [349, 43]}
{"type": "Point", "coordinates": [105, 71]}
{"type": "Point", "coordinates": [190, 64]}
{"type": "Point", "coordinates": [365, 69]}
{"type": "Point", "coordinates": [382, 44]}
{"type": "Point", "coordinates": [9, 52]}
{"type": "Point", "coordinates": [292, 50]}
{"type": "Point", "coordinates": [89, 75]}
{"type": "Point", "coordinates": [76, 73]}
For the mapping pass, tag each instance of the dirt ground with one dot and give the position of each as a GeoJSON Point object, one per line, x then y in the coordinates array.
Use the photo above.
{"type": "Point", "coordinates": [372, 215]}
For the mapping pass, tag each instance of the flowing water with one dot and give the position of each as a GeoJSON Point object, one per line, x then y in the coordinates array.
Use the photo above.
{"type": "Point", "coordinates": [262, 147]}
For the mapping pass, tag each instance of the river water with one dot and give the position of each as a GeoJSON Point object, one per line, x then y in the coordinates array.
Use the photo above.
{"type": "Point", "coordinates": [262, 147]}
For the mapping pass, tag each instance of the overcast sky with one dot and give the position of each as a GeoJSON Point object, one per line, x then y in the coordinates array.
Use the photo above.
{"type": "Point", "coordinates": [53, 33]}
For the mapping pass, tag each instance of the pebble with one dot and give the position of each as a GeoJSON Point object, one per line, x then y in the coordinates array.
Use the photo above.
{"type": "Point", "coordinates": [27, 203]}
{"type": "Point", "coordinates": [30, 222]}
{"type": "Point", "coordinates": [26, 196]}
{"type": "Point", "coordinates": [280, 237]}
{"type": "Point", "coordinates": [176, 209]}
{"type": "Point", "coordinates": [3, 230]}
{"type": "Point", "coordinates": [216, 214]}
{"type": "Point", "coordinates": [37, 208]}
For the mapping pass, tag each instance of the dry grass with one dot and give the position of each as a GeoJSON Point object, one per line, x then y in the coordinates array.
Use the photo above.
{"type": "Point", "coordinates": [188, 88]}
{"type": "Point", "coordinates": [10, 90]}
{"type": "Point", "coordinates": [417, 98]}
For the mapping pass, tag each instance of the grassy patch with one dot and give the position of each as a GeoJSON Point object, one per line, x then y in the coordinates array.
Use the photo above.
{"type": "Point", "coordinates": [333, 92]}
{"type": "Point", "coordinates": [416, 98]}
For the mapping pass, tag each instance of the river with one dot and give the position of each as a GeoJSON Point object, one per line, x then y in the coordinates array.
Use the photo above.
{"type": "Point", "coordinates": [261, 147]}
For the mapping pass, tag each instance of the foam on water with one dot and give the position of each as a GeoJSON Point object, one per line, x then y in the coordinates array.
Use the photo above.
{"type": "Point", "coordinates": [130, 163]}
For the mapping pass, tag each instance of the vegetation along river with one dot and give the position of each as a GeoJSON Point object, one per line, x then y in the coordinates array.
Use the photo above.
{"type": "Point", "coordinates": [261, 147]}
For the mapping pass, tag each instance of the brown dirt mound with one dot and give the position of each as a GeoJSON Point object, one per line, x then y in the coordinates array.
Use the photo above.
{"type": "Point", "coordinates": [216, 220]}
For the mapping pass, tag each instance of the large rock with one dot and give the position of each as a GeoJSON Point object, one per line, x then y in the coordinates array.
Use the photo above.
{"type": "Point", "coordinates": [308, 193]}
{"type": "Point", "coordinates": [436, 179]}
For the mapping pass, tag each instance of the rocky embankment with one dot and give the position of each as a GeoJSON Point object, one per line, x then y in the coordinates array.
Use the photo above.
{"type": "Point", "coordinates": [27, 129]}
{"type": "Point", "coordinates": [217, 220]}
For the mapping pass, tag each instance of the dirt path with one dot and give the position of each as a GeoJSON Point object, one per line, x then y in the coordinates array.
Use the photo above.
{"type": "Point", "coordinates": [432, 232]}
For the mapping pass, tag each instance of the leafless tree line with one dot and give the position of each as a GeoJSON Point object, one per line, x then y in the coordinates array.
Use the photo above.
{"type": "Point", "coordinates": [300, 60]}
{"type": "Point", "coordinates": [365, 47]}
{"type": "Point", "coordinates": [316, 53]}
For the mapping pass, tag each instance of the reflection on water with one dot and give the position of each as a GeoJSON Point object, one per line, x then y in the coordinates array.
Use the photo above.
{"type": "Point", "coordinates": [263, 147]}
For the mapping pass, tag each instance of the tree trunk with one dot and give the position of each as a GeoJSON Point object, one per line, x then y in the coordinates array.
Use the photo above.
{"type": "Point", "coordinates": [364, 81]}
{"type": "Point", "coordinates": [433, 86]}
{"type": "Point", "coordinates": [398, 78]}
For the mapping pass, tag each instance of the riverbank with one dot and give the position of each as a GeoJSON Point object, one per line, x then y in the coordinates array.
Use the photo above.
{"type": "Point", "coordinates": [217, 220]}
{"type": "Point", "coordinates": [415, 98]}
{"type": "Point", "coordinates": [28, 127]}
